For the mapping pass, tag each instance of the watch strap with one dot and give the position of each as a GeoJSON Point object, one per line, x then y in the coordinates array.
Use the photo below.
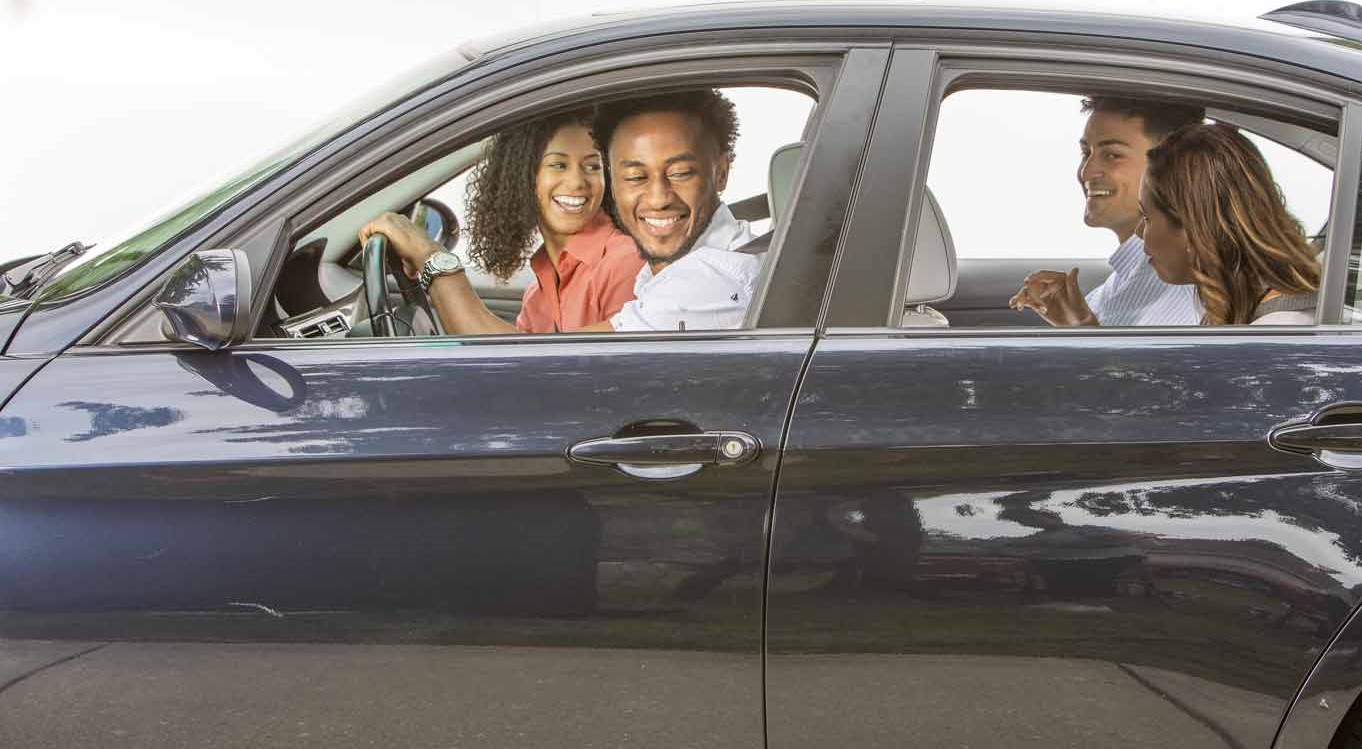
{"type": "Point", "coordinates": [438, 264]}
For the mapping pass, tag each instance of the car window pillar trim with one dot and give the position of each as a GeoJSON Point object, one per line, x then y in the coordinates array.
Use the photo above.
{"type": "Point", "coordinates": [1338, 245]}
{"type": "Point", "coordinates": [865, 273]}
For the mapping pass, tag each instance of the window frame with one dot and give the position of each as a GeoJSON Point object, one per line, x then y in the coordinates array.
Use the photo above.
{"type": "Point", "coordinates": [853, 310]}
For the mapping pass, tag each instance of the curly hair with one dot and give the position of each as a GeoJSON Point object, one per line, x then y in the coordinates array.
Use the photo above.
{"type": "Point", "coordinates": [502, 210]}
{"type": "Point", "coordinates": [716, 113]}
{"type": "Point", "coordinates": [1215, 185]}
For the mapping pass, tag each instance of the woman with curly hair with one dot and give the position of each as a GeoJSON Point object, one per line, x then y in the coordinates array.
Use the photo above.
{"type": "Point", "coordinates": [547, 178]}
{"type": "Point", "coordinates": [1214, 217]}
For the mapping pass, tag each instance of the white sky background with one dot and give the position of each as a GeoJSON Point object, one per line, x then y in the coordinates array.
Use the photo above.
{"type": "Point", "coordinates": [111, 111]}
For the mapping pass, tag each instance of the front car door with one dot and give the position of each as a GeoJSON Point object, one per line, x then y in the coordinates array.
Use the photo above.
{"type": "Point", "coordinates": [356, 542]}
{"type": "Point", "coordinates": [1051, 537]}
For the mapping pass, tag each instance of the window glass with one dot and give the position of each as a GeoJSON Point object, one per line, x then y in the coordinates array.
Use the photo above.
{"type": "Point", "coordinates": [768, 118]}
{"type": "Point", "coordinates": [1009, 201]}
{"type": "Point", "coordinates": [1014, 192]}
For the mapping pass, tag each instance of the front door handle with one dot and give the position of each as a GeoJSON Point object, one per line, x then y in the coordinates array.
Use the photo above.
{"type": "Point", "coordinates": [1332, 435]}
{"type": "Point", "coordinates": [657, 456]}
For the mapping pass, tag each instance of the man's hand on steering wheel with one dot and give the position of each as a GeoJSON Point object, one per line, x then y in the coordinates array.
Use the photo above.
{"type": "Point", "coordinates": [410, 241]}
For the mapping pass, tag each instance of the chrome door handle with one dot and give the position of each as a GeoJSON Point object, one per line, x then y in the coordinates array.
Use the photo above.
{"type": "Point", "coordinates": [1332, 435]}
{"type": "Point", "coordinates": [667, 455]}
{"type": "Point", "coordinates": [1307, 438]}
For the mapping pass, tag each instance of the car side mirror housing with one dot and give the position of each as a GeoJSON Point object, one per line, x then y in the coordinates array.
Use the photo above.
{"type": "Point", "coordinates": [207, 299]}
{"type": "Point", "coordinates": [439, 221]}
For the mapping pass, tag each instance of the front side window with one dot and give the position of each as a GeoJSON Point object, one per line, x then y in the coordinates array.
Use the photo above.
{"type": "Point", "coordinates": [550, 235]}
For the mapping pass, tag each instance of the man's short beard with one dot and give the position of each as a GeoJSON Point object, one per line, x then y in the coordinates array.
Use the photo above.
{"type": "Point", "coordinates": [683, 250]}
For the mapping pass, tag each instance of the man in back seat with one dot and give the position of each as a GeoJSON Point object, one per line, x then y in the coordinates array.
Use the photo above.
{"type": "Point", "coordinates": [1117, 137]}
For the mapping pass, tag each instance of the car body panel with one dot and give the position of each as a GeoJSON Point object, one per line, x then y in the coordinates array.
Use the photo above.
{"type": "Point", "coordinates": [1052, 512]}
{"type": "Point", "coordinates": [14, 372]}
{"type": "Point", "coordinates": [358, 500]}
{"type": "Point", "coordinates": [12, 312]}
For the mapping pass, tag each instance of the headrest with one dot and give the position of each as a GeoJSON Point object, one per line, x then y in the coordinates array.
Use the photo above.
{"type": "Point", "coordinates": [781, 179]}
{"type": "Point", "coordinates": [931, 273]}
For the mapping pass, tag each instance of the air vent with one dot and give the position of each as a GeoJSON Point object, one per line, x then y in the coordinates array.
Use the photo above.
{"type": "Point", "coordinates": [323, 328]}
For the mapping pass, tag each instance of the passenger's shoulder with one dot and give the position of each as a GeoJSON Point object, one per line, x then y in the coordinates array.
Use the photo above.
{"type": "Point", "coordinates": [1287, 317]}
{"type": "Point", "coordinates": [738, 265]}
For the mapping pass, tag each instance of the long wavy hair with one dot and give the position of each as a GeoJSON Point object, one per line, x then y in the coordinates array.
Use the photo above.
{"type": "Point", "coordinates": [1214, 184]}
{"type": "Point", "coordinates": [502, 210]}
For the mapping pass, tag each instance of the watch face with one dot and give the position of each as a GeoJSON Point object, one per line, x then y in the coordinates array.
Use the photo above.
{"type": "Point", "coordinates": [445, 261]}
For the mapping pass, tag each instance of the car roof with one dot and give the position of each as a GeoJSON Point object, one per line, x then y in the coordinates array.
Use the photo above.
{"type": "Point", "coordinates": [1248, 35]}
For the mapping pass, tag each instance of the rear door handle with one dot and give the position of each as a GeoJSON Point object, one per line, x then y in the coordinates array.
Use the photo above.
{"type": "Point", "coordinates": [1332, 435]}
{"type": "Point", "coordinates": [658, 456]}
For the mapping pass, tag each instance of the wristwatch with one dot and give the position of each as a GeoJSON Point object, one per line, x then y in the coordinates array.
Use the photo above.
{"type": "Point", "coordinates": [440, 264]}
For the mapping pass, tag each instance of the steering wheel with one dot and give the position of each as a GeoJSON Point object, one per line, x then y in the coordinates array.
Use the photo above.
{"type": "Point", "coordinates": [380, 261]}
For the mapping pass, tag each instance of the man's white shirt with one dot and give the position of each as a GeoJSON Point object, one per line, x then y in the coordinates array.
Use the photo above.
{"type": "Point", "coordinates": [1134, 295]}
{"type": "Point", "coordinates": [707, 289]}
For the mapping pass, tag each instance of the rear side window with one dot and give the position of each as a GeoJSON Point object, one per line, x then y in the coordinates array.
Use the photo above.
{"type": "Point", "coordinates": [1014, 192]}
{"type": "Point", "coordinates": [1055, 193]}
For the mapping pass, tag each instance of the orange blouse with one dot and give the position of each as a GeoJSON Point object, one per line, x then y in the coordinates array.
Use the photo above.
{"type": "Point", "coordinates": [596, 272]}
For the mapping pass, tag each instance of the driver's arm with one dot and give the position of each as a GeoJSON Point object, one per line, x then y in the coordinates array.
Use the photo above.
{"type": "Point", "coordinates": [454, 298]}
{"type": "Point", "coordinates": [460, 309]}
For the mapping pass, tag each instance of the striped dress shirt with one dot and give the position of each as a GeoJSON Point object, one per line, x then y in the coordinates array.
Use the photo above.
{"type": "Point", "coordinates": [1134, 295]}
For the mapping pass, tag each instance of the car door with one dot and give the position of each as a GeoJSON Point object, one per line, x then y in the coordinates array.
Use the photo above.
{"type": "Point", "coordinates": [1054, 537]}
{"type": "Point", "coordinates": [500, 541]}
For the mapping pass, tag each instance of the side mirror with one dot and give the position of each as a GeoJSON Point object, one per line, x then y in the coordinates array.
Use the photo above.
{"type": "Point", "coordinates": [207, 299]}
{"type": "Point", "coordinates": [438, 220]}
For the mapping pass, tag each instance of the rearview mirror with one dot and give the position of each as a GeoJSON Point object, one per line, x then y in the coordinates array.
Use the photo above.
{"type": "Point", "coordinates": [207, 299]}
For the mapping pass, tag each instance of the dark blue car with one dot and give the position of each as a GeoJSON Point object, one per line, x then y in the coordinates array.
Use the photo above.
{"type": "Point", "coordinates": [240, 507]}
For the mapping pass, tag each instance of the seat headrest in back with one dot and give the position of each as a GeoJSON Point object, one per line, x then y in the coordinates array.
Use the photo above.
{"type": "Point", "coordinates": [781, 178]}
{"type": "Point", "coordinates": [931, 274]}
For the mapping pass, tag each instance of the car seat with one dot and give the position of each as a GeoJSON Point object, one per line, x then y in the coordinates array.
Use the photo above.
{"type": "Point", "coordinates": [932, 271]}
{"type": "Point", "coordinates": [932, 275]}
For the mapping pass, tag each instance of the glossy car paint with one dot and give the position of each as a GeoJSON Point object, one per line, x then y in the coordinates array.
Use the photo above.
{"type": "Point", "coordinates": [1331, 688]}
{"type": "Point", "coordinates": [14, 371]}
{"type": "Point", "coordinates": [347, 508]}
{"type": "Point", "coordinates": [1074, 540]}
{"type": "Point", "coordinates": [12, 312]}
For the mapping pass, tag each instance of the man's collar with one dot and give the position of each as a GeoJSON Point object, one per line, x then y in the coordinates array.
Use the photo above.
{"type": "Point", "coordinates": [723, 230]}
{"type": "Point", "coordinates": [1131, 249]}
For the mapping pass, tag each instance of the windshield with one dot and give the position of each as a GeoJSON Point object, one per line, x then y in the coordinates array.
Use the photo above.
{"type": "Point", "coordinates": [100, 265]}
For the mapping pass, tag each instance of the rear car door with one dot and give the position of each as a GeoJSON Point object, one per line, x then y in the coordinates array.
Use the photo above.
{"type": "Point", "coordinates": [1055, 537]}
{"type": "Point", "coordinates": [359, 542]}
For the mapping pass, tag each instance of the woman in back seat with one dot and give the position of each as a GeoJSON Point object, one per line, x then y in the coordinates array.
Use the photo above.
{"type": "Point", "coordinates": [1214, 217]}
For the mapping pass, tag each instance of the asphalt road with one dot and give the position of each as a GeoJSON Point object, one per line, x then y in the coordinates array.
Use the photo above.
{"type": "Point", "coordinates": [88, 694]}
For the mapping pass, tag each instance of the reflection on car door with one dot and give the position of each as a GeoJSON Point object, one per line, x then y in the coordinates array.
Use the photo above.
{"type": "Point", "coordinates": [363, 541]}
{"type": "Point", "coordinates": [1085, 539]}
